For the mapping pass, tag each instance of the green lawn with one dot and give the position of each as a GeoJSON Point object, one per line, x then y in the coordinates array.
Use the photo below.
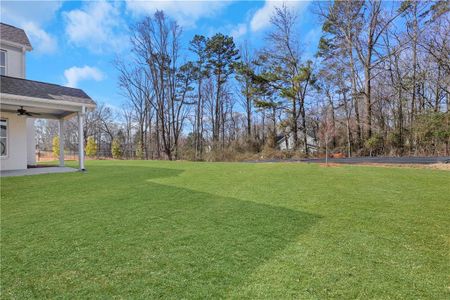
{"type": "Point", "coordinates": [135, 229]}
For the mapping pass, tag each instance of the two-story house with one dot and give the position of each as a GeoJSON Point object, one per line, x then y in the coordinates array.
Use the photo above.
{"type": "Point", "coordinates": [23, 100]}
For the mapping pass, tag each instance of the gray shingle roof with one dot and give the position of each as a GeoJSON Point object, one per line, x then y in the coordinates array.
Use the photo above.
{"type": "Point", "coordinates": [14, 34]}
{"type": "Point", "coordinates": [37, 89]}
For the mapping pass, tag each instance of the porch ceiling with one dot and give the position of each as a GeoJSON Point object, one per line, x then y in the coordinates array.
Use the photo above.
{"type": "Point", "coordinates": [40, 112]}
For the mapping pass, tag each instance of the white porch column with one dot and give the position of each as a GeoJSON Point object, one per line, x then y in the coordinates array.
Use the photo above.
{"type": "Point", "coordinates": [81, 138]}
{"type": "Point", "coordinates": [31, 142]}
{"type": "Point", "coordinates": [61, 142]}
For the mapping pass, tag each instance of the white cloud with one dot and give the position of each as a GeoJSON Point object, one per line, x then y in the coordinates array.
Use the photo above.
{"type": "Point", "coordinates": [238, 31]}
{"type": "Point", "coordinates": [75, 74]}
{"type": "Point", "coordinates": [41, 41]}
{"type": "Point", "coordinates": [31, 16]}
{"type": "Point", "coordinates": [186, 13]}
{"type": "Point", "coordinates": [261, 18]}
{"type": "Point", "coordinates": [97, 26]}
{"type": "Point", "coordinates": [19, 12]}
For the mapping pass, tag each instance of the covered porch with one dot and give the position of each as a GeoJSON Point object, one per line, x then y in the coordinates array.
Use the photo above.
{"type": "Point", "coordinates": [23, 101]}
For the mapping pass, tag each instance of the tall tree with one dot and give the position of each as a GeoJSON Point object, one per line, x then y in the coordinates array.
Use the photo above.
{"type": "Point", "coordinates": [286, 72]}
{"type": "Point", "coordinates": [244, 70]}
{"type": "Point", "coordinates": [222, 54]}
{"type": "Point", "coordinates": [198, 46]}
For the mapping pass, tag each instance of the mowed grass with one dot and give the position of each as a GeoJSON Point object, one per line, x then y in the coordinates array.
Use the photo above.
{"type": "Point", "coordinates": [145, 229]}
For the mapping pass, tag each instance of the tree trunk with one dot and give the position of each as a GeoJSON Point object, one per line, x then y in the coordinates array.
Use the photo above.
{"type": "Point", "coordinates": [414, 80]}
{"type": "Point", "coordinates": [158, 145]}
{"type": "Point", "coordinates": [249, 115]}
{"type": "Point", "coordinates": [294, 124]}
{"type": "Point", "coordinates": [216, 128]}
{"type": "Point", "coordinates": [305, 131]}
{"type": "Point", "coordinates": [437, 100]}
{"type": "Point", "coordinates": [347, 123]}
{"type": "Point", "coordinates": [197, 122]}
{"type": "Point", "coordinates": [355, 99]}
{"type": "Point", "coordinates": [367, 93]}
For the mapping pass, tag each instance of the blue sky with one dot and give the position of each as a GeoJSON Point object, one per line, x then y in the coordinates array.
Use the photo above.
{"type": "Point", "coordinates": [75, 42]}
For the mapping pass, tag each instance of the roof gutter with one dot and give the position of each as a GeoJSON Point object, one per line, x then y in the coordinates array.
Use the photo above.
{"type": "Point", "coordinates": [16, 45]}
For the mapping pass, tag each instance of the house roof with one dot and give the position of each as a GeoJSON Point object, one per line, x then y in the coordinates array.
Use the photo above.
{"type": "Point", "coordinates": [43, 90]}
{"type": "Point", "coordinates": [14, 34]}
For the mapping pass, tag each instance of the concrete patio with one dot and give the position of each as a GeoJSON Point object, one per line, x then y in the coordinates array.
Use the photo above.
{"type": "Point", "coordinates": [36, 171]}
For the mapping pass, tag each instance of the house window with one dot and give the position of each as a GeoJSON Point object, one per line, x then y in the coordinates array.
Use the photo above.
{"type": "Point", "coordinates": [3, 137]}
{"type": "Point", "coordinates": [2, 62]}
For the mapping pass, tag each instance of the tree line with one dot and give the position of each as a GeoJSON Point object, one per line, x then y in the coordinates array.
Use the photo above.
{"type": "Point", "coordinates": [378, 85]}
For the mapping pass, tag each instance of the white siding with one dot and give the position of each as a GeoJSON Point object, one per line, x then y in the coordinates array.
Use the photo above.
{"type": "Point", "coordinates": [290, 142]}
{"type": "Point", "coordinates": [16, 158]}
{"type": "Point", "coordinates": [15, 61]}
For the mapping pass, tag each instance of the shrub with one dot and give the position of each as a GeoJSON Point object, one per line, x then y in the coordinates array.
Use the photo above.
{"type": "Point", "coordinates": [116, 149]}
{"type": "Point", "coordinates": [374, 143]}
{"type": "Point", "coordinates": [139, 151]}
{"type": "Point", "coordinates": [432, 130]}
{"type": "Point", "coordinates": [55, 147]}
{"type": "Point", "coordinates": [397, 141]}
{"type": "Point", "coordinates": [91, 147]}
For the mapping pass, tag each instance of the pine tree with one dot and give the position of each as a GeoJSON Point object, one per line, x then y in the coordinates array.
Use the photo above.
{"type": "Point", "coordinates": [222, 54]}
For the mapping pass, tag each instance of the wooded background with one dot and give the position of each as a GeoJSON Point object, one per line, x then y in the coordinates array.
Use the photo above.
{"type": "Point", "coordinates": [378, 85]}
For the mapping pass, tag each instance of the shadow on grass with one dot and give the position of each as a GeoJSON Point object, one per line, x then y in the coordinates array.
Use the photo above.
{"type": "Point", "coordinates": [141, 239]}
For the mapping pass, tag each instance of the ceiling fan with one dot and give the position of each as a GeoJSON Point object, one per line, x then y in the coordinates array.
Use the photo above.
{"type": "Point", "coordinates": [23, 112]}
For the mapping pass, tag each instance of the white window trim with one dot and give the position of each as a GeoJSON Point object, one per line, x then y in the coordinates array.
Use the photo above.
{"type": "Point", "coordinates": [7, 139]}
{"type": "Point", "coordinates": [6, 62]}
